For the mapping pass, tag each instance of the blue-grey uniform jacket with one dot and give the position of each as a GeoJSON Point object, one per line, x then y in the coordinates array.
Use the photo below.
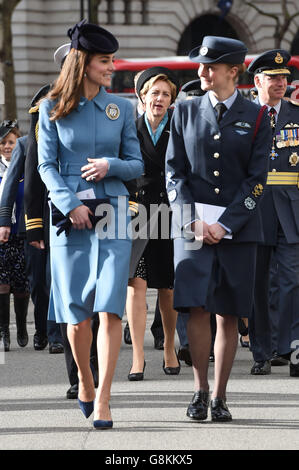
{"type": "Point", "coordinates": [223, 164]}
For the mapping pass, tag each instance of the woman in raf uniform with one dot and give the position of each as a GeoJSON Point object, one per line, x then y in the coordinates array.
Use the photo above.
{"type": "Point", "coordinates": [81, 131]}
{"type": "Point", "coordinates": [216, 157]}
{"type": "Point", "coordinates": [157, 89]}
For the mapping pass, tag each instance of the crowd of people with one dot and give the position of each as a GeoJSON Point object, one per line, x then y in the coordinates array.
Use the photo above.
{"type": "Point", "coordinates": [210, 187]}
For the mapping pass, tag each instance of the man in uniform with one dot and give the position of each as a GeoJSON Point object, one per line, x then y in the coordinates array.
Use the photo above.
{"type": "Point", "coordinates": [280, 214]}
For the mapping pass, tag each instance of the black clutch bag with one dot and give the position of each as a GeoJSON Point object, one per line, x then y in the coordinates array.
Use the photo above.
{"type": "Point", "coordinates": [63, 223]}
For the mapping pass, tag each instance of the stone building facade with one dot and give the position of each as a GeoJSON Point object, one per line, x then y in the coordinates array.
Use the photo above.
{"type": "Point", "coordinates": [149, 28]}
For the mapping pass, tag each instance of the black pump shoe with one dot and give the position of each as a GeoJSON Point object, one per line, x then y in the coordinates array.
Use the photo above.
{"type": "Point", "coordinates": [198, 408]}
{"type": "Point", "coordinates": [136, 376]}
{"type": "Point", "coordinates": [172, 370]}
{"type": "Point", "coordinates": [220, 411]}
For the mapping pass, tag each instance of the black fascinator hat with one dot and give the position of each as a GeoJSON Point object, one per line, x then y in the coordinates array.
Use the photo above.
{"type": "Point", "coordinates": [91, 37]}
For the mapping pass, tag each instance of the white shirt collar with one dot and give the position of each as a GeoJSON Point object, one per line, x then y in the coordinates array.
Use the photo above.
{"type": "Point", "coordinates": [228, 102]}
{"type": "Point", "coordinates": [276, 107]}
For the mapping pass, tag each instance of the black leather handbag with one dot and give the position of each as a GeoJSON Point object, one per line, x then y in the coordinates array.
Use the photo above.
{"type": "Point", "coordinates": [63, 222]}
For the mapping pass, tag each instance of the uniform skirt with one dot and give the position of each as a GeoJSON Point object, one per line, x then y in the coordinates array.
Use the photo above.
{"type": "Point", "coordinates": [90, 272]}
{"type": "Point", "coordinates": [220, 278]}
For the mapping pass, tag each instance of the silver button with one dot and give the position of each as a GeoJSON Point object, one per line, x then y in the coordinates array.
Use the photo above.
{"type": "Point", "coordinates": [274, 170]}
{"type": "Point", "coordinates": [216, 173]}
{"type": "Point", "coordinates": [216, 136]}
{"type": "Point", "coordinates": [216, 155]}
{"type": "Point", "coordinates": [217, 190]}
{"type": "Point", "coordinates": [161, 194]}
{"type": "Point", "coordinates": [162, 173]}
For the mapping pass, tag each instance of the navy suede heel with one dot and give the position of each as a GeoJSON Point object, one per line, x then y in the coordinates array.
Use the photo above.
{"type": "Point", "coordinates": [102, 424]}
{"type": "Point", "coordinates": [86, 407]}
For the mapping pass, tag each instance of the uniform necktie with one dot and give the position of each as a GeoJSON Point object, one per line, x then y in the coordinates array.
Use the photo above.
{"type": "Point", "coordinates": [272, 113]}
{"type": "Point", "coordinates": [220, 109]}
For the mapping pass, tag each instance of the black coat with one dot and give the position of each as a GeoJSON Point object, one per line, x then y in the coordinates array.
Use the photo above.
{"type": "Point", "coordinates": [151, 189]}
{"type": "Point", "coordinates": [35, 192]}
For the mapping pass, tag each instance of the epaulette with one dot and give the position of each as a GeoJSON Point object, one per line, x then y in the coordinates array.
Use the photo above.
{"type": "Point", "coordinates": [34, 109]}
{"type": "Point", "coordinates": [289, 100]}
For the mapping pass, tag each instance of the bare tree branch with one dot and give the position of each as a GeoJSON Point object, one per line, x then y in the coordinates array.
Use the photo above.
{"type": "Point", "coordinates": [281, 27]}
{"type": "Point", "coordinates": [264, 13]}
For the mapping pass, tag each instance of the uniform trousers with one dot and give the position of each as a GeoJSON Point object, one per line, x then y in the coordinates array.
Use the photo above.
{"type": "Point", "coordinates": [260, 321]}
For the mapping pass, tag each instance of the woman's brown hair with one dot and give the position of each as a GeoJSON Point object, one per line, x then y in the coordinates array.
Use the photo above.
{"type": "Point", "coordinates": [68, 88]}
{"type": "Point", "coordinates": [241, 69]}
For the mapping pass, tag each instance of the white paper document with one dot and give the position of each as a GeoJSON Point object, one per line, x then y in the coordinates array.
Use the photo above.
{"type": "Point", "coordinates": [210, 214]}
{"type": "Point", "coordinates": [87, 194]}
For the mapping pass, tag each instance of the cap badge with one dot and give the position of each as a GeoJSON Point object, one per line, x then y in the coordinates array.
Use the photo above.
{"type": "Point", "coordinates": [278, 59]}
{"type": "Point", "coordinates": [203, 50]}
{"type": "Point", "coordinates": [112, 111]}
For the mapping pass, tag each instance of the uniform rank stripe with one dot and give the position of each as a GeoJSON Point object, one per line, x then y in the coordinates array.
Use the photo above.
{"type": "Point", "coordinates": [33, 220]}
{"type": "Point", "coordinates": [31, 227]}
{"type": "Point", "coordinates": [283, 177]}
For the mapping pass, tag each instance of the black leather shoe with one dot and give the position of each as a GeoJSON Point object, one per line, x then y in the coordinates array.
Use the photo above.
{"type": "Point", "coordinates": [278, 360]}
{"type": "Point", "coordinates": [198, 407]}
{"type": "Point", "coordinates": [56, 348]}
{"type": "Point", "coordinates": [159, 344]}
{"type": "Point", "coordinates": [127, 334]}
{"type": "Point", "coordinates": [184, 355]}
{"type": "Point", "coordinates": [294, 370]}
{"type": "Point", "coordinates": [220, 411]}
{"type": "Point", "coordinates": [5, 338]}
{"type": "Point", "coordinates": [39, 343]}
{"type": "Point", "coordinates": [137, 376]}
{"type": "Point", "coordinates": [22, 338]}
{"type": "Point", "coordinates": [72, 392]}
{"type": "Point", "coordinates": [261, 368]}
{"type": "Point", "coordinates": [172, 370]}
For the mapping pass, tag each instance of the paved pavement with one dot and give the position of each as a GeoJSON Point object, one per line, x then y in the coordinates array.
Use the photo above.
{"type": "Point", "coordinates": [148, 415]}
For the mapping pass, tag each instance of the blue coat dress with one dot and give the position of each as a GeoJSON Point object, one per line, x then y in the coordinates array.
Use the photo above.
{"type": "Point", "coordinates": [89, 273]}
{"type": "Point", "coordinates": [225, 165]}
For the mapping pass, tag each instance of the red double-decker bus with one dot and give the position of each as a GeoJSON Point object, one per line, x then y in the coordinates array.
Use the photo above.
{"type": "Point", "coordinates": [185, 70]}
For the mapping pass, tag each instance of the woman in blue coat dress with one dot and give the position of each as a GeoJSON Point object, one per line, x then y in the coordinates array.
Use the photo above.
{"type": "Point", "coordinates": [216, 173]}
{"type": "Point", "coordinates": [87, 148]}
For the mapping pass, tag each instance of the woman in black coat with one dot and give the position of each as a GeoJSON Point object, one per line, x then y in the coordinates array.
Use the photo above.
{"type": "Point", "coordinates": [152, 259]}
